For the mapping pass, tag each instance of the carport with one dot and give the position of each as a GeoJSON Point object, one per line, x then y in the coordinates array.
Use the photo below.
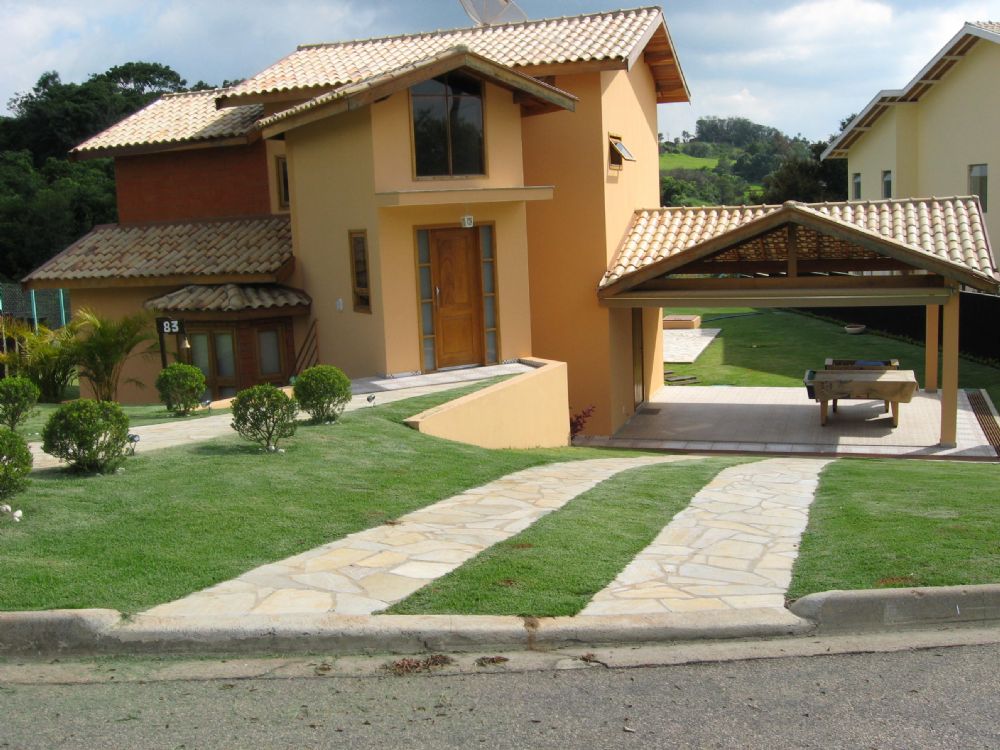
{"type": "Point", "coordinates": [849, 254]}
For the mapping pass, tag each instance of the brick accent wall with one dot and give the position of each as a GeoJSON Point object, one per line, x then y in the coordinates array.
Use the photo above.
{"type": "Point", "coordinates": [197, 184]}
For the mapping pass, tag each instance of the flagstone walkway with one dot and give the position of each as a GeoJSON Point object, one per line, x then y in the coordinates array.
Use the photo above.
{"type": "Point", "coordinates": [368, 571]}
{"type": "Point", "coordinates": [732, 548]}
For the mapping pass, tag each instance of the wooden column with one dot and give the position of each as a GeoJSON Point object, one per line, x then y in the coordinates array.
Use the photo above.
{"type": "Point", "coordinates": [949, 373]}
{"type": "Point", "coordinates": [931, 348]}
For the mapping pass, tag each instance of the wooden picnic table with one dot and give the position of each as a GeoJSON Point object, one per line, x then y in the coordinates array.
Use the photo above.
{"type": "Point", "coordinates": [892, 386]}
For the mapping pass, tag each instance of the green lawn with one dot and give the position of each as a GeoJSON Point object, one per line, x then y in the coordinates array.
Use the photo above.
{"type": "Point", "coordinates": [775, 347]}
{"type": "Point", "coordinates": [683, 161]}
{"type": "Point", "coordinates": [180, 519]}
{"type": "Point", "coordinates": [557, 565]}
{"type": "Point", "coordinates": [883, 523]}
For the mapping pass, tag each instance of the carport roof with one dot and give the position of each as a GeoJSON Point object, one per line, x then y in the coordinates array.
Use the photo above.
{"type": "Point", "coordinates": [945, 237]}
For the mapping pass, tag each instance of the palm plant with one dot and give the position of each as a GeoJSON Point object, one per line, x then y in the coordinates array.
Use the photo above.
{"type": "Point", "coordinates": [105, 346]}
{"type": "Point", "coordinates": [47, 357]}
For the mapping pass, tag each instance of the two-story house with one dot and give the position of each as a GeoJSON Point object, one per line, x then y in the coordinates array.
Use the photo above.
{"type": "Point", "coordinates": [937, 134]}
{"type": "Point", "coordinates": [396, 205]}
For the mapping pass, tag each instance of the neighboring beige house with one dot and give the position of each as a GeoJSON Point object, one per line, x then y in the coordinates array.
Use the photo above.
{"type": "Point", "coordinates": [938, 134]}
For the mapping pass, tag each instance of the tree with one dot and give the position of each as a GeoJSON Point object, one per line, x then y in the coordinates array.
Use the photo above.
{"type": "Point", "coordinates": [808, 179]}
{"type": "Point", "coordinates": [46, 357]}
{"type": "Point", "coordinates": [104, 347]}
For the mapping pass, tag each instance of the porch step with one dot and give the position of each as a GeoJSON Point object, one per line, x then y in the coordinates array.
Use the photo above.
{"type": "Point", "coordinates": [683, 380]}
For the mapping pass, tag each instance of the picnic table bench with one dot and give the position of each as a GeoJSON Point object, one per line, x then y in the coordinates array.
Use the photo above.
{"type": "Point", "coordinates": [893, 387]}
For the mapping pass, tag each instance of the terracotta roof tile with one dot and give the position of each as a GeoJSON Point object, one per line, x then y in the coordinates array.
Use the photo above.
{"type": "Point", "coordinates": [947, 229]}
{"type": "Point", "coordinates": [176, 118]}
{"type": "Point", "coordinates": [600, 36]}
{"type": "Point", "coordinates": [203, 248]}
{"type": "Point", "coordinates": [991, 26]}
{"type": "Point", "coordinates": [229, 298]}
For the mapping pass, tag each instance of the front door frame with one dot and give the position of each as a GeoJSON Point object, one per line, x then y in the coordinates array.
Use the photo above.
{"type": "Point", "coordinates": [475, 232]}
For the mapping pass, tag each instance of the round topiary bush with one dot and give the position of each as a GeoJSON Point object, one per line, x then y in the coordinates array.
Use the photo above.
{"type": "Point", "coordinates": [264, 414]}
{"type": "Point", "coordinates": [323, 391]}
{"type": "Point", "coordinates": [90, 435]}
{"type": "Point", "coordinates": [180, 387]}
{"type": "Point", "coordinates": [15, 463]}
{"type": "Point", "coordinates": [18, 397]}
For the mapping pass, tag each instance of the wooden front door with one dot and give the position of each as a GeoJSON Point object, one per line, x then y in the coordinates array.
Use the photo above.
{"type": "Point", "coordinates": [456, 272]}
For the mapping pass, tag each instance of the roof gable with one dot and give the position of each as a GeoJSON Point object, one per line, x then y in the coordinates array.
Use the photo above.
{"type": "Point", "coordinates": [931, 74]}
{"type": "Point", "coordinates": [615, 38]}
{"type": "Point", "coordinates": [943, 235]}
{"type": "Point", "coordinates": [535, 96]}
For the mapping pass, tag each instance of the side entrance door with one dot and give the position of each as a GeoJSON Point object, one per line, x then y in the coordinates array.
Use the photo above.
{"type": "Point", "coordinates": [456, 272]}
{"type": "Point", "coordinates": [214, 353]}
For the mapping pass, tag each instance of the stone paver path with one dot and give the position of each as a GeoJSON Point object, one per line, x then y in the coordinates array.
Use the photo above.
{"type": "Point", "coordinates": [732, 548]}
{"type": "Point", "coordinates": [367, 571]}
{"type": "Point", "coordinates": [685, 345]}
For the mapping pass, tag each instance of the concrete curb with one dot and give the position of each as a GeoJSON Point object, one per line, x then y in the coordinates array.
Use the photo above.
{"type": "Point", "coordinates": [106, 632]}
{"type": "Point", "coordinates": [881, 609]}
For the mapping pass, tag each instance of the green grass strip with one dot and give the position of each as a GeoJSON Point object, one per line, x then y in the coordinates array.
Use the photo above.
{"type": "Point", "coordinates": [883, 523]}
{"type": "Point", "coordinates": [557, 565]}
{"type": "Point", "coordinates": [181, 519]}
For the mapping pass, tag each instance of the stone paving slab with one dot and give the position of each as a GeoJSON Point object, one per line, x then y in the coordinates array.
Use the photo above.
{"type": "Point", "coordinates": [684, 345]}
{"type": "Point", "coordinates": [368, 571]}
{"type": "Point", "coordinates": [732, 548]}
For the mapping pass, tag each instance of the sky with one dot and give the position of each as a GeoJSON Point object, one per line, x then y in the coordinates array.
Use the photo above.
{"type": "Point", "coordinates": [801, 66]}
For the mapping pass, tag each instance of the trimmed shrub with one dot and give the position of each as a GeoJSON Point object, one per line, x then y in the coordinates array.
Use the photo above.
{"type": "Point", "coordinates": [180, 387]}
{"type": "Point", "coordinates": [90, 435]}
{"type": "Point", "coordinates": [18, 397]}
{"type": "Point", "coordinates": [264, 414]}
{"type": "Point", "coordinates": [15, 463]}
{"type": "Point", "coordinates": [323, 391]}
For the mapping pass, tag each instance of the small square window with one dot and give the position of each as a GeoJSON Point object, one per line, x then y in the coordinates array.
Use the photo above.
{"type": "Point", "coordinates": [281, 175]}
{"type": "Point", "coordinates": [978, 174]}
{"type": "Point", "coordinates": [887, 183]}
{"type": "Point", "coordinates": [359, 271]}
{"type": "Point", "coordinates": [618, 152]}
{"type": "Point", "coordinates": [856, 186]}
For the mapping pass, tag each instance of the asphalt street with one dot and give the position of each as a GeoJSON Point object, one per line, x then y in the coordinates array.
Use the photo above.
{"type": "Point", "coordinates": [935, 698]}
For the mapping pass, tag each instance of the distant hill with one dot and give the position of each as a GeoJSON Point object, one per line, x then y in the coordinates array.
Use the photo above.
{"type": "Point", "coordinates": [732, 160]}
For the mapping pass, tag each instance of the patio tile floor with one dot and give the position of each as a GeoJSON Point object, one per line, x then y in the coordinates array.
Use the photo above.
{"type": "Point", "coordinates": [785, 420]}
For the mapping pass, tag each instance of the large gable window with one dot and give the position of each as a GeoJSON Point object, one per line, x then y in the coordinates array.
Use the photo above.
{"type": "Point", "coordinates": [448, 126]}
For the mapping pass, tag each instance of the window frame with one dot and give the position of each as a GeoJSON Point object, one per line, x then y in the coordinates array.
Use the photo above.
{"type": "Point", "coordinates": [413, 136]}
{"type": "Point", "coordinates": [983, 195]}
{"type": "Point", "coordinates": [887, 178]}
{"type": "Point", "coordinates": [278, 331]}
{"type": "Point", "coordinates": [359, 292]}
{"type": "Point", "coordinates": [856, 186]}
{"type": "Point", "coordinates": [617, 151]}
{"type": "Point", "coordinates": [281, 184]}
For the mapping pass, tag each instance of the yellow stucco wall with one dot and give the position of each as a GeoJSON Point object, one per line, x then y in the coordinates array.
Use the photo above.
{"type": "Point", "coordinates": [392, 134]}
{"type": "Point", "coordinates": [331, 170]}
{"type": "Point", "coordinates": [114, 304]}
{"type": "Point", "coordinates": [573, 237]}
{"type": "Point", "coordinates": [930, 144]}
{"type": "Point", "coordinates": [527, 411]}
{"type": "Point", "coordinates": [629, 111]}
{"type": "Point", "coordinates": [397, 246]}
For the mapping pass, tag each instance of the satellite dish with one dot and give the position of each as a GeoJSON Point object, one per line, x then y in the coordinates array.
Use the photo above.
{"type": "Point", "coordinates": [491, 12]}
